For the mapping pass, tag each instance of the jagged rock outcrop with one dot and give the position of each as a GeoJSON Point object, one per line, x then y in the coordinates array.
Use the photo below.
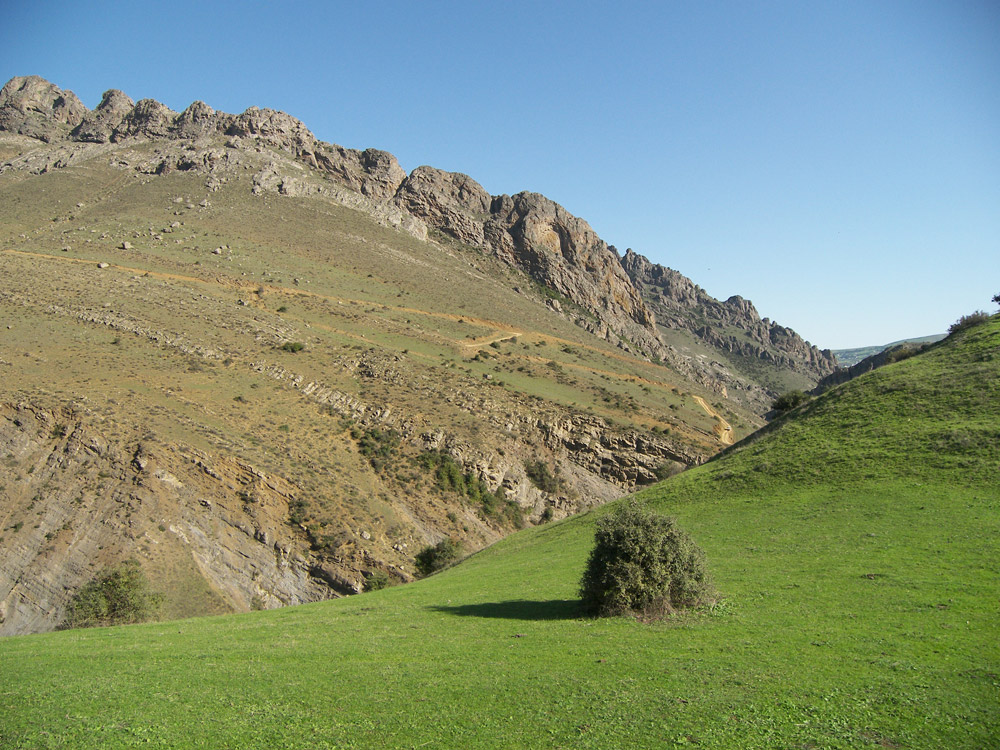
{"type": "Point", "coordinates": [680, 304]}
{"type": "Point", "coordinates": [565, 254]}
{"type": "Point", "coordinates": [31, 106]}
{"type": "Point", "coordinates": [373, 173]}
{"type": "Point", "coordinates": [197, 121]}
{"type": "Point", "coordinates": [537, 235]}
{"type": "Point", "coordinates": [147, 118]}
{"type": "Point", "coordinates": [626, 300]}
{"type": "Point", "coordinates": [98, 125]}
{"type": "Point", "coordinates": [626, 458]}
{"type": "Point", "coordinates": [527, 230]}
{"type": "Point", "coordinates": [273, 128]}
{"type": "Point", "coordinates": [449, 201]}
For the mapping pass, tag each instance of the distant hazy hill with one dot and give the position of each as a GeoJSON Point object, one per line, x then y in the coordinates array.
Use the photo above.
{"type": "Point", "coordinates": [848, 357]}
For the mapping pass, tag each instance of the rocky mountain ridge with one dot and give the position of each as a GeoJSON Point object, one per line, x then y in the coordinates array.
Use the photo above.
{"type": "Point", "coordinates": [733, 328]}
{"type": "Point", "coordinates": [624, 300]}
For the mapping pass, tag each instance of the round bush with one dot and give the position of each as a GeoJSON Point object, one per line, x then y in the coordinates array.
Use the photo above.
{"type": "Point", "coordinates": [789, 401]}
{"type": "Point", "coordinates": [441, 555]}
{"type": "Point", "coordinates": [643, 562]}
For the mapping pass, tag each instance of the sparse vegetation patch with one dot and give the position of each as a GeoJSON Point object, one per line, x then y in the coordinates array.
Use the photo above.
{"type": "Point", "coordinates": [377, 445]}
{"type": "Point", "coordinates": [119, 596]}
{"type": "Point", "coordinates": [449, 477]}
{"type": "Point", "coordinates": [540, 475]}
{"type": "Point", "coordinates": [968, 321]}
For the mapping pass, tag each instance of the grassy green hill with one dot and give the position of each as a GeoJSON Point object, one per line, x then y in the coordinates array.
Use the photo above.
{"type": "Point", "coordinates": [856, 544]}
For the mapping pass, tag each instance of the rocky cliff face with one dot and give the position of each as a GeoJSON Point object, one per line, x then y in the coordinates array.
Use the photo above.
{"type": "Point", "coordinates": [680, 304]}
{"type": "Point", "coordinates": [75, 501]}
{"type": "Point", "coordinates": [72, 498]}
{"type": "Point", "coordinates": [527, 231]}
{"type": "Point", "coordinates": [213, 532]}
{"type": "Point", "coordinates": [98, 126]}
{"type": "Point", "coordinates": [33, 107]}
{"type": "Point", "coordinates": [531, 232]}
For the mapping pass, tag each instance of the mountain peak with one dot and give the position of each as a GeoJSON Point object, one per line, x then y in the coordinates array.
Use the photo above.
{"type": "Point", "coordinates": [31, 106]}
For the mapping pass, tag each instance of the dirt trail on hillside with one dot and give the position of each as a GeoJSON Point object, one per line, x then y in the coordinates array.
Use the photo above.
{"type": "Point", "coordinates": [723, 429]}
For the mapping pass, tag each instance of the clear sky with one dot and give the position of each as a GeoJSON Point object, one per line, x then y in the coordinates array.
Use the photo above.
{"type": "Point", "coordinates": [838, 163]}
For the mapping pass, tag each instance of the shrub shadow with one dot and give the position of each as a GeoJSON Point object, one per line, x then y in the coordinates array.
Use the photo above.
{"type": "Point", "coordinates": [517, 609]}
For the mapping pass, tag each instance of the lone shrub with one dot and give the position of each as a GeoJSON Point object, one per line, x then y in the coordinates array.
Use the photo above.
{"type": "Point", "coordinates": [118, 596]}
{"type": "Point", "coordinates": [434, 558]}
{"type": "Point", "coordinates": [292, 346]}
{"type": "Point", "coordinates": [377, 580]}
{"type": "Point", "coordinates": [642, 562]}
{"type": "Point", "coordinates": [788, 401]}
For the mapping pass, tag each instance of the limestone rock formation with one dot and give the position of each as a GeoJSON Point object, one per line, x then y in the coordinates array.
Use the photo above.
{"type": "Point", "coordinates": [680, 304]}
{"type": "Point", "coordinates": [196, 121]}
{"type": "Point", "coordinates": [373, 173]}
{"type": "Point", "coordinates": [98, 125]}
{"type": "Point", "coordinates": [31, 106]}
{"type": "Point", "coordinates": [219, 525]}
{"type": "Point", "coordinates": [627, 300]}
{"type": "Point", "coordinates": [537, 235]}
{"type": "Point", "coordinates": [452, 202]}
{"type": "Point", "coordinates": [147, 118]}
{"type": "Point", "coordinates": [273, 128]}
{"type": "Point", "coordinates": [565, 254]}
{"type": "Point", "coordinates": [224, 523]}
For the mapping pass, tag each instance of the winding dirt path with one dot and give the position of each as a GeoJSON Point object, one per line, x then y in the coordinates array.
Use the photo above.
{"type": "Point", "coordinates": [723, 429]}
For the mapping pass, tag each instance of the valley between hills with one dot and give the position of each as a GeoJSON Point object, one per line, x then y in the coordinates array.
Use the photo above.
{"type": "Point", "coordinates": [269, 370]}
{"type": "Point", "coordinates": [252, 360]}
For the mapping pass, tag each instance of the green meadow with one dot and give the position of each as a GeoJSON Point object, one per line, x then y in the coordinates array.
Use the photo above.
{"type": "Point", "coordinates": [855, 544]}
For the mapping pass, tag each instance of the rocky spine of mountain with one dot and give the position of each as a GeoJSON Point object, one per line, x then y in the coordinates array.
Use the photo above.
{"type": "Point", "coordinates": [885, 357]}
{"type": "Point", "coordinates": [624, 300]}
{"type": "Point", "coordinates": [680, 304]}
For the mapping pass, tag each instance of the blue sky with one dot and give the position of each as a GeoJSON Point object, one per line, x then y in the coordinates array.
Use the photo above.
{"type": "Point", "coordinates": [836, 162]}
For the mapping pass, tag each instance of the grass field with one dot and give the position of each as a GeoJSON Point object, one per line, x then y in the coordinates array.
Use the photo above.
{"type": "Point", "coordinates": [856, 547]}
